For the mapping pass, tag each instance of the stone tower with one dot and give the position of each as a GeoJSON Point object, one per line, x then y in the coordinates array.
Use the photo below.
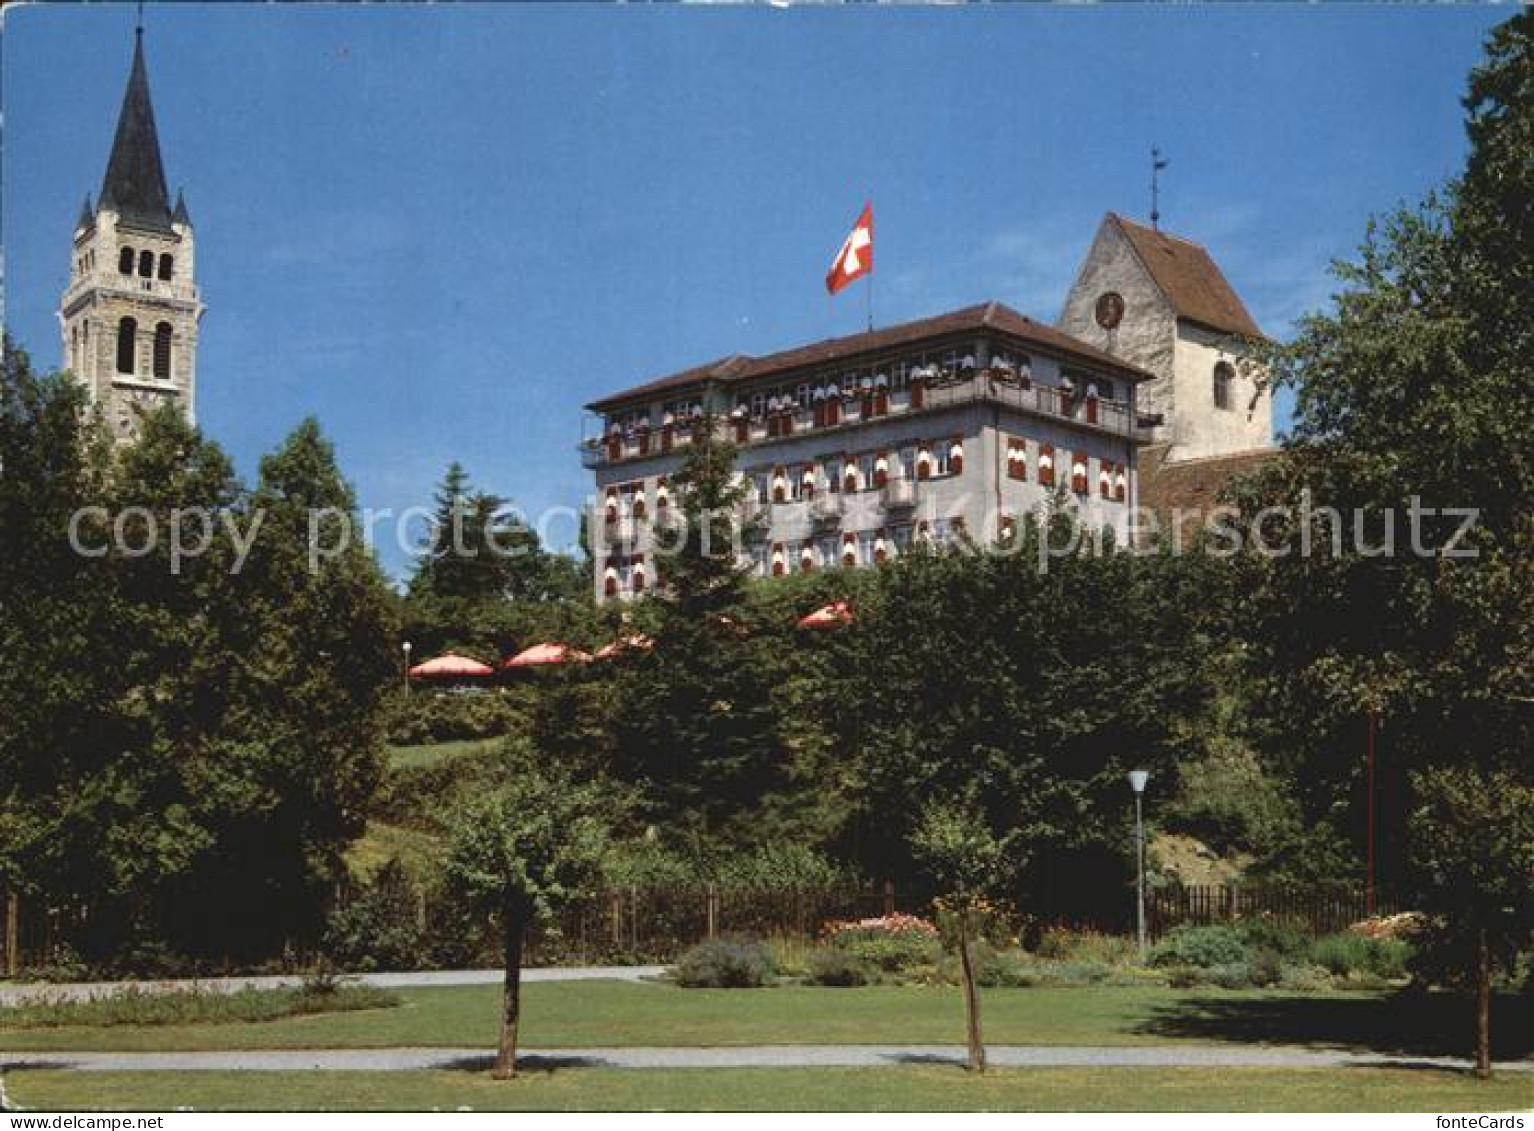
{"type": "Point", "coordinates": [1162, 303]}
{"type": "Point", "coordinates": [129, 316]}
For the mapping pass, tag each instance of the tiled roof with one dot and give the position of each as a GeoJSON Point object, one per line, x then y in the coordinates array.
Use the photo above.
{"type": "Point", "coordinates": [1192, 485]}
{"type": "Point", "coordinates": [983, 316]}
{"type": "Point", "coordinates": [1190, 279]}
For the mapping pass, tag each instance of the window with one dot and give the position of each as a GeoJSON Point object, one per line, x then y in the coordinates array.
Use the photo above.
{"type": "Point", "coordinates": [780, 485]}
{"type": "Point", "coordinates": [868, 471]}
{"type": "Point", "coordinates": [1047, 465]}
{"type": "Point", "coordinates": [125, 261]}
{"type": "Point", "coordinates": [1079, 473]}
{"type": "Point", "coordinates": [1224, 374]}
{"type": "Point", "coordinates": [162, 336]}
{"type": "Point", "coordinates": [1017, 459]}
{"type": "Point", "coordinates": [167, 266]}
{"type": "Point", "coordinates": [127, 344]}
{"type": "Point", "coordinates": [146, 263]}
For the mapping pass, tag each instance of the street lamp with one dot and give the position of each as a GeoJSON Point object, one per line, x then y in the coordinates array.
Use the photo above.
{"type": "Point", "coordinates": [406, 647]}
{"type": "Point", "coordinates": [1137, 780]}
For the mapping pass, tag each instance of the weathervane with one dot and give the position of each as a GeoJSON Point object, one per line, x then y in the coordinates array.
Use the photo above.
{"type": "Point", "coordinates": [1158, 163]}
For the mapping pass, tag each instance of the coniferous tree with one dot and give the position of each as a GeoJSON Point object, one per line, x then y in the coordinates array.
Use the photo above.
{"type": "Point", "coordinates": [694, 727]}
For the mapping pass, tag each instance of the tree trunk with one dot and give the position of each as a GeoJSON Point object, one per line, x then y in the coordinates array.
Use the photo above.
{"type": "Point", "coordinates": [1483, 1008]}
{"type": "Point", "coordinates": [971, 999]}
{"type": "Point", "coordinates": [514, 925]}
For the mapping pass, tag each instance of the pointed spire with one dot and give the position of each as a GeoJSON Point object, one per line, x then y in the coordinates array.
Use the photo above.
{"type": "Point", "coordinates": [87, 214]}
{"type": "Point", "coordinates": [181, 215]}
{"type": "Point", "coordinates": [135, 178]}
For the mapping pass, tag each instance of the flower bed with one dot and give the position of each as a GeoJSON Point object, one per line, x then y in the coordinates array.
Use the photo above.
{"type": "Point", "coordinates": [889, 943]}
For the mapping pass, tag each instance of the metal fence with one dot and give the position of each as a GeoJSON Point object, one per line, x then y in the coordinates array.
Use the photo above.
{"type": "Point", "coordinates": [1313, 910]}
{"type": "Point", "coordinates": [657, 924]}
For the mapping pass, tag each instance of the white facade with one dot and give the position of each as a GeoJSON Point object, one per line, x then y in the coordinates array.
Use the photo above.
{"type": "Point", "coordinates": [963, 455]}
{"type": "Point", "coordinates": [1182, 322]}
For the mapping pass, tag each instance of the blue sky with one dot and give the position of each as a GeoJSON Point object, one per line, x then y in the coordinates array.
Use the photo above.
{"type": "Point", "coordinates": [443, 229]}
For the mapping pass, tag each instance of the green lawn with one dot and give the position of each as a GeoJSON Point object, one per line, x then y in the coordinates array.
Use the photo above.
{"type": "Point", "coordinates": [586, 1014]}
{"type": "Point", "coordinates": [435, 753]}
{"type": "Point", "coordinates": [918, 1087]}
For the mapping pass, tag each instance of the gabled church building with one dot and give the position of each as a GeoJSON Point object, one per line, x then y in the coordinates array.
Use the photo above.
{"type": "Point", "coordinates": [130, 314]}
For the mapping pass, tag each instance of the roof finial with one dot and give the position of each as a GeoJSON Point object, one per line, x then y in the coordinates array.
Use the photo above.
{"type": "Point", "coordinates": [1158, 163]}
{"type": "Point", "coordinates": [138, 29]}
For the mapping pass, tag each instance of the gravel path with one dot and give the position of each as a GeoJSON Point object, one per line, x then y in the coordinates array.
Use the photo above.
{"type": "Point", "coordinates": [14, 993]}
{"type": "Point", "coordinates": [750, 1056]}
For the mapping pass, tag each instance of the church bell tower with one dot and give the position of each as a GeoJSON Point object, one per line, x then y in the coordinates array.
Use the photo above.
{"type": "Point", "coordinates": [130, 314]}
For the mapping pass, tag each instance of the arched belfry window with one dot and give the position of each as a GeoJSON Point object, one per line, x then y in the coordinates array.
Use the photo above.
{"type": "Point", "coordinates": [162, 334]}
{"type": "Point", "coordinates": [125, 261]}
{"type": "Point", "coordinates": [167, 266]}
{"type": "Point", "coordinates": [127, 344]}
{"type": "Point", "coordinates": [146, 264]}
{"type": "Point", "coordinates": [1224, 374]}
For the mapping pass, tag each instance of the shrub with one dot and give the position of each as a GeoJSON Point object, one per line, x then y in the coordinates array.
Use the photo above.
{"type": "Point", "coordinates": [1266, 967]}
{"type": "Point", "coordinates": [781, 869]}
{"type": "Point", "coordinates": [1085, 946]}
{"type": "Point", "coordinates": [1346, 954]}
{"type": "Point", "coordinates": [832, 966]}
{"type": "Point", "coordinates": [431, 716]}
{"type": "Point", "coordinates": [1201, 946]}
{"type": "Point", "coordinates": [724, 964]}
{"type": "Point", "coordinates": [1305, 978]}
{"type": "Point", "coordinates": [135, 1006]}
{"type": "Point", "coordinates": [379, 928]}
{"type": "Point", "coordinates": [1228, 976]}
{"type": "Point", "coordinates": [1281, 938]}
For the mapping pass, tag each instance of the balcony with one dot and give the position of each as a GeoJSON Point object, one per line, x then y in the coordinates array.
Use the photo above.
{"type": "Point", "coordinates": [899, 495]}
{"type": "Point", "coordinates": [623, 531]}
{"type": "Point", "coordinates": [826, 510]}
{"type": "Point", "coordinates": [983, 386]}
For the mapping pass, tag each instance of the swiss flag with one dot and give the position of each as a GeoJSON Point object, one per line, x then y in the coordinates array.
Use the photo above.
{"type": "Point", "coordinates": [856, 258]}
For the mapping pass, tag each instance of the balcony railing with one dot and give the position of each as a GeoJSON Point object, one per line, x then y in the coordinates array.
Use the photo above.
{"type": "Point", "coordinates": [826, 509]}
{"type": "Point", "coordinates": [984, 386]}
{"type": "Point", "coordinates": [899, 494]}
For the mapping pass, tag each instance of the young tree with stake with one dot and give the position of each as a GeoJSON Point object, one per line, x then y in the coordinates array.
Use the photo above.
{"type": "Point", "coordinates": [522, 852]}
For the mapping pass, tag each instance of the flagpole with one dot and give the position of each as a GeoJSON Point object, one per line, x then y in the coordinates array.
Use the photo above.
{"type": "Point", "coordinates": [869, 295]}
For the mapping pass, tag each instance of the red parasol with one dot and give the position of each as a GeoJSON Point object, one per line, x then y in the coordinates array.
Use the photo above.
{"type": "Point", "coordinates": [638, 643]}
{"type": "Point", "coordinates": [543, 655]}
{"type": "Point", "coordinates": [833, 615]}
{"type": "Point", "coordinates": [450, 666]}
